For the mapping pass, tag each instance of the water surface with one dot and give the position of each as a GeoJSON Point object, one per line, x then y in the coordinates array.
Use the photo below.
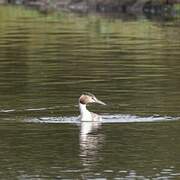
{"type": "Point", "coordinates": [47, 61]}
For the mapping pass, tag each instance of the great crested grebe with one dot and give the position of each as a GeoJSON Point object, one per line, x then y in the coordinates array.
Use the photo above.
{"type": "Point", "coordinates": [86, 115]}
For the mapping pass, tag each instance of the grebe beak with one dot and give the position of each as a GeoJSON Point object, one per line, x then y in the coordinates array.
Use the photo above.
{"type": "Point", "coordinates": [99, 102]}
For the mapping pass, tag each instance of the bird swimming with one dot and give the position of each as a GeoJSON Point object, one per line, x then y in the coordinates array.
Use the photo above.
{"type": "Point", "coordinates": [86, 115]}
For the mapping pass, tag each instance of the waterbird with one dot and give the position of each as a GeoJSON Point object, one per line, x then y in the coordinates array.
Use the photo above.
{"type": "Point", "coordinates": [86, 115]}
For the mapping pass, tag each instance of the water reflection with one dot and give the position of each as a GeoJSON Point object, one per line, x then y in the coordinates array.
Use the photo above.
{"type": "Point", "coordinates": [90, 141]}
{"type": "Point", "coordinates": [89, 127]}
{"type": "Point", "coordinates": [129, 150]}
{"type": "Point", "coordinates": [47, 61]}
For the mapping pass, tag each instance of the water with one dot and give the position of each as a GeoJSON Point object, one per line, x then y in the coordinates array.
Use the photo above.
{"type": "Point", "coordinates": [47, 61]}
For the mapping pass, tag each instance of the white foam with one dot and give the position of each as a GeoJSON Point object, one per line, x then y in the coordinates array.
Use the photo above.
{"type": "Point", "coordinates": [116, 118]}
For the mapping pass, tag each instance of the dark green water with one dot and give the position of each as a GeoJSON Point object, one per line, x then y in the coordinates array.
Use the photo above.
{"type": "Point", "coordinates": [47, 61]}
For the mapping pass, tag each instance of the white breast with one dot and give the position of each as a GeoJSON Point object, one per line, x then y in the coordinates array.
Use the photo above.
{"type": "Point", "coordinates": [87, 115]}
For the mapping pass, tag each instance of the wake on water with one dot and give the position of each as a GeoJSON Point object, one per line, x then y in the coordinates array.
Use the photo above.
{"type": "Point", "coordinates": [116, 118]}
{"type": "Point", "coordinates": [106, 118]}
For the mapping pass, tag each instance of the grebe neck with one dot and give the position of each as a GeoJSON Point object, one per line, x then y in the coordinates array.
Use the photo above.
{"type": "Point", "coordinates": [85, 114]}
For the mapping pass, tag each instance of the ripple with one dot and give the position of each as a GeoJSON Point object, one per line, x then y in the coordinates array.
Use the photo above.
{"type": "Point", "coordinates": [126, 118]}
{"type": "Point", "coordinates": [53, 120]}
{"type": "Point", "coordinates": [117, 118]}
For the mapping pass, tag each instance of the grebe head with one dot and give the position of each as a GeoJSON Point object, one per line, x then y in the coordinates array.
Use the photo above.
{"type": "Point", "coordinates": [87, 97]}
